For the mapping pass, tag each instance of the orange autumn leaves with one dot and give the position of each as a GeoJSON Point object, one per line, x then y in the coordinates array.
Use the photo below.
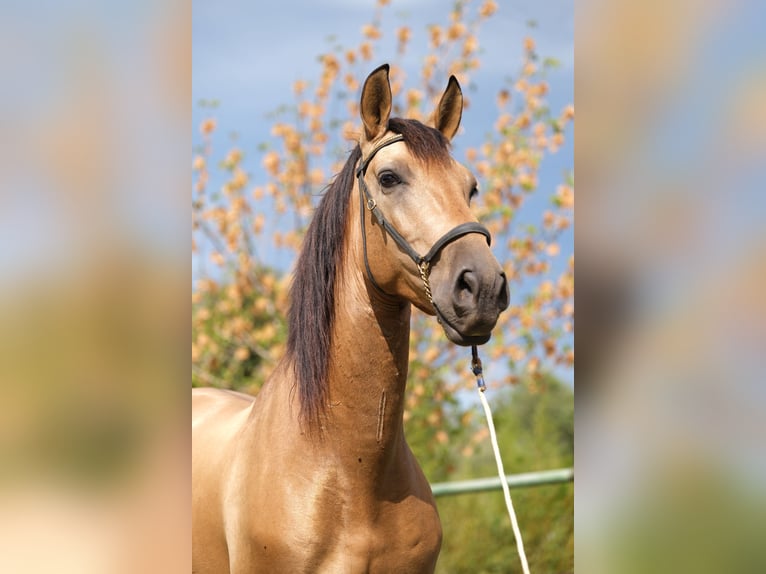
{"type": "Point", "coordinates": [239, 305]}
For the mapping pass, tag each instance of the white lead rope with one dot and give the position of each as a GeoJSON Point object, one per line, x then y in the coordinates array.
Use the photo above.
{"type": "Point", "coordinates": [477, 370]}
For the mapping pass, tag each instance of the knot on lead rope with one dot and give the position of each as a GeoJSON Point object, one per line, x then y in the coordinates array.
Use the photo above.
{"type": "Point", "coordinates": [476, 368]}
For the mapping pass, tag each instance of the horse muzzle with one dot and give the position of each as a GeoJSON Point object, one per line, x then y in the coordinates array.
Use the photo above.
{"type": "Point", "coordinates": [470, 300]}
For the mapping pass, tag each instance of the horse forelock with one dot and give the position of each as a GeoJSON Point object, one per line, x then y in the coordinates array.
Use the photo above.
{"type": "Point", "coordinates": [312, 294]}
{"type": "Point", "coordinates": [427, 144]}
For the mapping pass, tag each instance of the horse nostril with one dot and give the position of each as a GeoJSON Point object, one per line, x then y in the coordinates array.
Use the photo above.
{"type": "Point", "coordinates": [503, 294]}
{"type": "Point", "coordinates": [464, 281]}
{"type": "Point", "coordinates": [466, 287]}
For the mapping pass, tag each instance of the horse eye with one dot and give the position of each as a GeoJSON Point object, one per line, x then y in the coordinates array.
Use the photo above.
{"type": "Point", "coordinates": [388, 179]}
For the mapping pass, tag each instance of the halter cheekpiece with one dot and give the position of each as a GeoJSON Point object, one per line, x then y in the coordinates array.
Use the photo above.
{"type": "Point", "coordinates": [423, 262]}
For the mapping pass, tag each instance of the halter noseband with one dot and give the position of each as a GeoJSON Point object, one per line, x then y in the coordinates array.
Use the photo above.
{"type": "Point", "coordinates": [423, 262]}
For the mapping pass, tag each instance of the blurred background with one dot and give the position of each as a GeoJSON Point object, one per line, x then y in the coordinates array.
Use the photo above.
{"type": "Point", "coordinates": [276, 115]}
{"type": "Point", "coordinates": [671, 336]}
{"type": "Point", "coordinates": [94, 252]}
{"type": "Point", "coordinates": [94, 249]}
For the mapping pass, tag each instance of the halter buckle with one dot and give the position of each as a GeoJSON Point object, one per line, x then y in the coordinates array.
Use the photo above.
{"type": "Point", "coordinates": [371, 204]}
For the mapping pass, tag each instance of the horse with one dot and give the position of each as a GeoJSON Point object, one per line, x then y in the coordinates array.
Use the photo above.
{"type": "Point", "coordinates": [315, 475]}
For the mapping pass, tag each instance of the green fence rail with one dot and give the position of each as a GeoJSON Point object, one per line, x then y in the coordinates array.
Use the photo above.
{"type": "Point", "coordinates": [513, 480]}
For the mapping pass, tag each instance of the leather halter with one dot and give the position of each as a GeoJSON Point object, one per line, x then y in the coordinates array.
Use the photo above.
{"type": "Point", "coordinates": [423, 262]}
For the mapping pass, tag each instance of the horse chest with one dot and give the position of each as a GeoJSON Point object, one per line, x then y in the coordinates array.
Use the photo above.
{"type": "Point", "coordinates": [321, 528]}
{"type": "Point", "coordinates": [383, 549]}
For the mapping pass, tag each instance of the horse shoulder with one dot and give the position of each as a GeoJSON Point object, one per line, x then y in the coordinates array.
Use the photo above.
{"type": "Point", "coordinates": [217, 417]}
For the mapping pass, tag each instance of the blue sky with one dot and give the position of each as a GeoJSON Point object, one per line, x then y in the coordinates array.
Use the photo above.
{"type": "Point", "coordinates": [246, 55]}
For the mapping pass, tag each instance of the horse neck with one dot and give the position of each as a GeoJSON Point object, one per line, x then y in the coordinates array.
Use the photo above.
{"type": "Point", "coordinates": [369, 360]}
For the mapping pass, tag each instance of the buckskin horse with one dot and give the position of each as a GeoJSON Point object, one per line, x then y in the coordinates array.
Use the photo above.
{"type": "Point", "coordinates": [315, 475]}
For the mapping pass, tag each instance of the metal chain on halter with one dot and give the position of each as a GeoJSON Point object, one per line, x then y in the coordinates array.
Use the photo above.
{"type": "Point", "coordinates": [425, 270]}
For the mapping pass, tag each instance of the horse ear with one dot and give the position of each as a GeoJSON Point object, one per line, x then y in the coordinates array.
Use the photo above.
{"type": "Point", "coordinates": [450, 109]}
{"type": "Point", "coordinates": [376, 103]}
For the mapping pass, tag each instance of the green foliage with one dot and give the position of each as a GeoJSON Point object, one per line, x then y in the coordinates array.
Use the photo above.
{"type": "Point", "coordinates": [535, 427]}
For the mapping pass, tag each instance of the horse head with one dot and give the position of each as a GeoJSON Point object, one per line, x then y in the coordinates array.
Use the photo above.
{"type": "Point", "coordinates": [421, 242]}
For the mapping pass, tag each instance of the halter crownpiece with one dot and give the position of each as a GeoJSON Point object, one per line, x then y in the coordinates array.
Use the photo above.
{"type": "Point", "coordinates": [423, 262]}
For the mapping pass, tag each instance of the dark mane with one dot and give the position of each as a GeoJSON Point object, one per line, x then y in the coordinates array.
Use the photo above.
{"type": "Point", "coordinates": [312, 293]}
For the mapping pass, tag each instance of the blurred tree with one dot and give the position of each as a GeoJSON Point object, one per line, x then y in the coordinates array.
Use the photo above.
{"type": "Point", "coordinates": [238, 330]}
